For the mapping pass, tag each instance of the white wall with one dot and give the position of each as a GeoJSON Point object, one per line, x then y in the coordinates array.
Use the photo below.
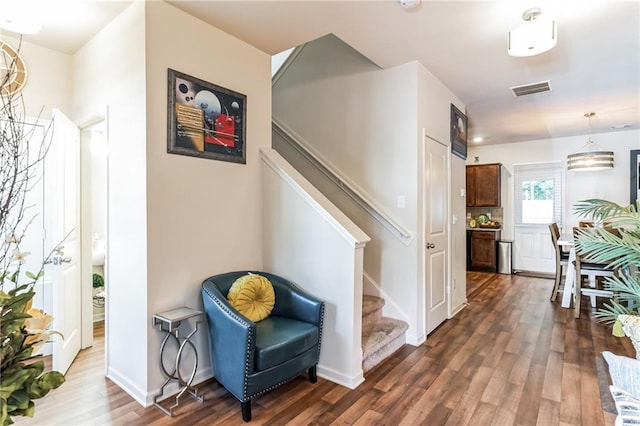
{"type": "Point", "coordinates": [458, 234]}
{"type": "Point", "coordinates": [362, 121]}
{"type": "Point", "coordinates": [204, 216]}
{"type": "Point", "coordinates": [97, 146]}
{"type": "Point", "coordinates": [612, 184]}
{"type": "Point", "coordinates": [367, 124]}
{"type": "Point", "coordinates": [434, 115]}
{"type": "Point", "coordinates": [173, 220]}
{"type": "Point", "coordinates": [309, 241]}
{"type": "Point", "coordinates": [109, 71]}
{"type": "Point", "coordinates": [48, 78]}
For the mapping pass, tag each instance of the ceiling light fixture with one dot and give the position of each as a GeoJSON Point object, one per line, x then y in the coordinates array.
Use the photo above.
{"type": "Point", "coordinates": [19, 17]}
{"type": "Point", "coordinates": [409, 4]}
{"type": "Point", "coordinates": [587, 158]}
{"type": "Point", "coordinates": [535, 36]}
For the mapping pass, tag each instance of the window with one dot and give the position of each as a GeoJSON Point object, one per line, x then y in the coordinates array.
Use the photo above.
{"type": "Point", "coordinates": [538, 193]}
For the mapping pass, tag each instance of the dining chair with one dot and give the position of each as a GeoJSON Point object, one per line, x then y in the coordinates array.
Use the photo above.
{"type": "Point", "coordinates": [586, 267]}
{"type": "Point", "coordinates": [562, 258]}
{"type": "Point", "coordinates": [592, 224]}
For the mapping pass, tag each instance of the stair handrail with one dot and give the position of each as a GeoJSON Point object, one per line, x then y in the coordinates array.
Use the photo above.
{"type": "Point", "coordinates": [358, 195]}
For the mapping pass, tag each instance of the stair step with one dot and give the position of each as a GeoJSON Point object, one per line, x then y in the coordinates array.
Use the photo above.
{"type": "Point", "coordinates": [371, 312]}
{"type": "Point", "coordinates": [381, 340]}
{"type": "Point", "coordinates": [383, 353]}
{"type": "Point", "coordinates": [371, 304]}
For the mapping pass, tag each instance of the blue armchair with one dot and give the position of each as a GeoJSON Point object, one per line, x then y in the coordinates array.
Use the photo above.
{"type": "Point", "coordinates": [250, 358]}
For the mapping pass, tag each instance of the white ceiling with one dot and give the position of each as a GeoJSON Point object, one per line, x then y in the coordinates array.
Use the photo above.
{"type": "Point", "coordinates": [594, 67]}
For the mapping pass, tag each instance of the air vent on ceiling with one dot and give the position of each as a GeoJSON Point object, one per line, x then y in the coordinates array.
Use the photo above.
{"type": "Point", "coordinates": [530, 89]}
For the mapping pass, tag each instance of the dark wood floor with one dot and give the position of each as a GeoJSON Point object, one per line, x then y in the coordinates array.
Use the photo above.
{"type": "Point", "coordinates": [510, 357]}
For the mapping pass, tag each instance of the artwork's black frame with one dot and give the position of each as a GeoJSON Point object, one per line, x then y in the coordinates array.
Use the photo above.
{"type": "Point", "coordinates": [634, 176]}
{"type": "Point", "coordinates": [205, 120]}
{"type": "Point", "coordinates": [458, 133]}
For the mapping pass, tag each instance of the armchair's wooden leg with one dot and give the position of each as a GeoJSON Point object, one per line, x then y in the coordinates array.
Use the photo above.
{"type": "Point", "coordinates": [246, 411]}
{"type": "Point", "coordinates": [313, 377]}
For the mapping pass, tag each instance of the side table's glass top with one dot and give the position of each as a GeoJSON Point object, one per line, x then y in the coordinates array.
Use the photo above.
{"type": "Point", "coordinates": [178, 314]}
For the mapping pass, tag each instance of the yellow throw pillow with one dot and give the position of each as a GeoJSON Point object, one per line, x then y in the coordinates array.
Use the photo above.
{"type": "Point", "coordinates": [253, 296]}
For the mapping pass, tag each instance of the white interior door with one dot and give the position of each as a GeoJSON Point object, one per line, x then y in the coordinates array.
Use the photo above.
{"type": "Point", "coordinates": [62, 217]}
{"type": "Point", "coordinates": [535, 251]}
{"type": "Point", "coordinates": [436, 233]}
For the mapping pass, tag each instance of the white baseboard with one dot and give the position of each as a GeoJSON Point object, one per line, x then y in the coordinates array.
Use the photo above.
{"type": "Point", "coordinates": [416, 341]}
{"type": "Point", "coordinates": [339, 378]}
{"type": "Point", "coordinates": [146, 399]}
{"type": "Point", "coordinates": [172, 388]}
{"type": "Point", "coordinates": [458, 308]}
{"type": "Point", "coordinates": [126, 385]}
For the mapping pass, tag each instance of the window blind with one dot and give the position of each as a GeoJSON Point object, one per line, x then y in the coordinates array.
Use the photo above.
{"type": "Point", "coordinates": [537, 172]}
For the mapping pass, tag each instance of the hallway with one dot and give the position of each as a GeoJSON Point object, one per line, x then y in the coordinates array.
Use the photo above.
{"type": "Point", "coordinates": [510, 357]}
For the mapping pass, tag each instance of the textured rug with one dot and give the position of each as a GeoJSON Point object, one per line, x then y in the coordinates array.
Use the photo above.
{"type": "Point", "coordinates": [604, 381]}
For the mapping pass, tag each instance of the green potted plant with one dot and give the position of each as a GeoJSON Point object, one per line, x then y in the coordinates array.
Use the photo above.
{"type": "Point", "coordinates": [619, 251]}
{"type": "Point", "coordinates": [98, 281]}
{"type": "Point", "coordinates": [23, 329]}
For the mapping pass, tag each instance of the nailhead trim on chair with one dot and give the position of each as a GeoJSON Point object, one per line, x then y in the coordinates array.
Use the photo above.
{"type": "Point", "coordinates": [248, 324]}
{"type": "Point", "coordinates": [243, 320]}
{"type": "Point", "coordinates": [320, 331]}
{"type": "Point", "coordinates": [246, 367]}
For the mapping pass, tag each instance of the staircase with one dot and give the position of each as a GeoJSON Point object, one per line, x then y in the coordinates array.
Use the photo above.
{"type": "Point", "coordinates": [381, 336]}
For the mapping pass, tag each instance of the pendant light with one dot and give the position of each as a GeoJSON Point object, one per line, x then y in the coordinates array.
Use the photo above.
{"type": "Point", "coordinates": [535, 36]}
{"type": "Point", "coordinates": [589, 157]}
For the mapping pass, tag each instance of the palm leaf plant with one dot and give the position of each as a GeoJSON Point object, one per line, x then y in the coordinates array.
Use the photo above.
{"type": "Point", "coordinates": [620, 250]}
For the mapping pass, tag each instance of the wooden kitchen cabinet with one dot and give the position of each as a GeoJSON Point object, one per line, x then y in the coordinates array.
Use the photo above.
{"type": "Point", "coordinates": [482, 250]}
{"type": "Point", "coordinates": [483, 185]}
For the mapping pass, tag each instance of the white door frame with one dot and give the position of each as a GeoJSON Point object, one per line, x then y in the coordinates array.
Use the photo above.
{"type": "Point", "coordinates": [86, 230]}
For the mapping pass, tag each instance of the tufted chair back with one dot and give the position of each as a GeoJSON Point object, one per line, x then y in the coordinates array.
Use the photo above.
{"type": "Point", "coordinates": [250, 358]}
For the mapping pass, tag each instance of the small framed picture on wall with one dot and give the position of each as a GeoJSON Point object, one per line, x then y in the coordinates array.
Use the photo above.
{"type": "Point", "coordinates": [458, 133]}
{"type": "Point", "coordinates": [205, 120]}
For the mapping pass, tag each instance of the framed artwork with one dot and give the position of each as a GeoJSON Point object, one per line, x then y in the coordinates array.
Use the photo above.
{"type": "Point", "coordinates": [634, 176]}
{"type": "Point", "coordinates": [205, 120]}
{"type": "Point", "coordinates": [458, 133]}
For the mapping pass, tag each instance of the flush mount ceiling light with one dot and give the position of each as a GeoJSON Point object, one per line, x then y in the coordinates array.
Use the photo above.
{"type": "Point", "coordinates": [589, 157]}
{"type": "Point", "coordinates": [409, 4]}
{"type": "Point", "coordinates": [535, 36]}
{"type": "Point", "coordinates": [19, 17]}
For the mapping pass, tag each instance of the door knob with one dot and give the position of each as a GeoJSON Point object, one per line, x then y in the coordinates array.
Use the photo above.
{"type": "Point", "coordinates": [430, 246]}
{"type": "Point", "coordinates": [58, 260]}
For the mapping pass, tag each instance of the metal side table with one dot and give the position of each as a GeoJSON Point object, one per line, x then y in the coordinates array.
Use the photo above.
{"type": "Point", "coordinates": [169, 322]}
